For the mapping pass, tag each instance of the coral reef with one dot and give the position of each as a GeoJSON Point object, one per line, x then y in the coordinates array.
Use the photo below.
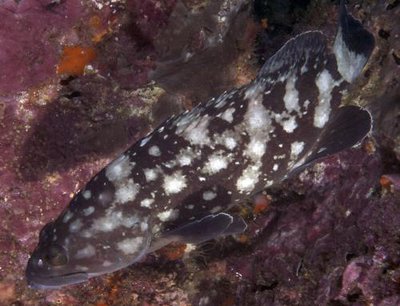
{"type": "Point", "coordinates": [326, 237]}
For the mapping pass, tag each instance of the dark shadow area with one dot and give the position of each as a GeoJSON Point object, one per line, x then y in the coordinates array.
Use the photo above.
{"type": "Point", "coordinates": [196, 51]}
{"type": "Point", "coordinates": [278, 19]}
{"type": "Point", "coordinates": [86, 120]}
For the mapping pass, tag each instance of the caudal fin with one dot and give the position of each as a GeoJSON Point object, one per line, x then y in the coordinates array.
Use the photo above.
{"type": "Point", "coordinates": [353, 45]}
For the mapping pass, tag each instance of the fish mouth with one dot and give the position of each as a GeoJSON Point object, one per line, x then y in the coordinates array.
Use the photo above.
{"type": "Point", "coordinates": [36, 281]}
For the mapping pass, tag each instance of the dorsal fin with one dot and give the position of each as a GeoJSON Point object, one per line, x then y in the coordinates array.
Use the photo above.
{"type": "Point", "coordinates": [306, 45]}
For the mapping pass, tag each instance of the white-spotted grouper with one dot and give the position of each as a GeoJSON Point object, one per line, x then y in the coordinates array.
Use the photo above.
{"type": "Point", "coordinates": [180, 182]}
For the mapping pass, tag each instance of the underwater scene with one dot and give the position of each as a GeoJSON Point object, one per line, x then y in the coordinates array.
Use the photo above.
{"type": "Point", "coordinates": [198, 152]}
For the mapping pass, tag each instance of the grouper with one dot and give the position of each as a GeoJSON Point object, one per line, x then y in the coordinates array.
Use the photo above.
{"type": "Point", "coordinates": [180, 182]}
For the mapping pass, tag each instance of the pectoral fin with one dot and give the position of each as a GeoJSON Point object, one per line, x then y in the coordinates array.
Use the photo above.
{"type": "Point", "coordinates": [237, 226]}
{"type": "Point", "coordinates": [347, 127]}
{"type": "Point", "coordinates": [198, 231]}
{"type": "Point", "coordinates": [202, 230]}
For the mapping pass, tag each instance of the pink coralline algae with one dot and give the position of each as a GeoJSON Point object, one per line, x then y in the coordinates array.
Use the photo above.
{"type": "Point", "coordinates": [31, 32]}
{"type": "Point", "coordinates": [337, 200]}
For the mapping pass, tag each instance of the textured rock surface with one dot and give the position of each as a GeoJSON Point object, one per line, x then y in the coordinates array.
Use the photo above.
{"type": "Point", "coordinates": [328, 237]}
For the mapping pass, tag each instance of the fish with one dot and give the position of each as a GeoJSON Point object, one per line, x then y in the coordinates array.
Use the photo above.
{"type": "Point", "coordinates": [180, 182]}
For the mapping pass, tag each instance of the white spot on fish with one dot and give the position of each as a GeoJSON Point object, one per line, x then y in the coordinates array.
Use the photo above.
{"type": "Point", "coordinates": [230, 143]}
{"type": "Point", "coordinates": [146, 203]}
{"type": "Point", "coordinates": [197, 131]}
{"type": "Point", "coordinates": [126, 192]}
{"type": "Point", "coordinates": [209, 195]}
{"type": "Point", "coordinates": [248, 180]}
{"type": "Point", "coordinates": [154, 151]}
{"type": "Point", "coordinates": [75, 226]}
{"type": "Point", "coordinates": [150, 174]}
{"type": "Point", "coordinates": [144, 226]}
{"type": "Point", "coordinates": [68, 215]}
{"type": "Point", "coordinates": [185, 160]}
{"type": "Point", "coordinates": [119, 169]}
{"type": "Point", "coordinates": [227, 115]}
{"type": "Point", "coordinates": [81, 268]}
{"type": "Point", "coordinates": [186, 156]}
{"type": "Point", "coordinates": [325, 84]}
{"type": "Point", "coordinates": [168, 215]}
{"type": "Point", "coordinates": [105, 198]}
{"type": "Point", "coordinates": [216, 162]}
{"type": "Point", "coordinates": [170, 164]}
{"type": "Point", "coordinates": [86, 252]}
{"type": "Point", "coordinates": [255, 149]}
{"type": "Point", "coordinates": [257, 117]}
{"type": "Point", "coordinates": [269, 183]}
{"type": "Point", "coordinates": [275, 167]}
{"type": "Point", "coordinates": [87, 194]}
{"type": "Point", "coordinates": [304, 68]}
{"type": "Point", "coordinates": [88, 211]}
{"type": "Point", "coordinates": [306, 104]}
{"type": "Point", "coordinates": [228, 138]}
{"type": "Point", "coordinates": [291, 97]}
{"type": "Point", "coordinates": [86, 234]}
{"type": "Point", "coordinates": [290, 124]}
{"type": "Point", "coordinates": [130, 245]}
{"type": "Point", "coordinates": [174, 183]}
{"type": "Point", "coordinates": [113, 220]}
{"type": "Point", "coordinates": [295, 149]}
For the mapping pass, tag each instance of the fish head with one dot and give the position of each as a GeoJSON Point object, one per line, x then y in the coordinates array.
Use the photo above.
{"type": "Point", "coordinates": [91, 237]}
{"type": "Point", "coordinates": [49, 265]}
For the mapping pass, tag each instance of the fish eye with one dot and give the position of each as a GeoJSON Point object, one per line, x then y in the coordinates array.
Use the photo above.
{"type": "Point", "coordinates": [56, 256]}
